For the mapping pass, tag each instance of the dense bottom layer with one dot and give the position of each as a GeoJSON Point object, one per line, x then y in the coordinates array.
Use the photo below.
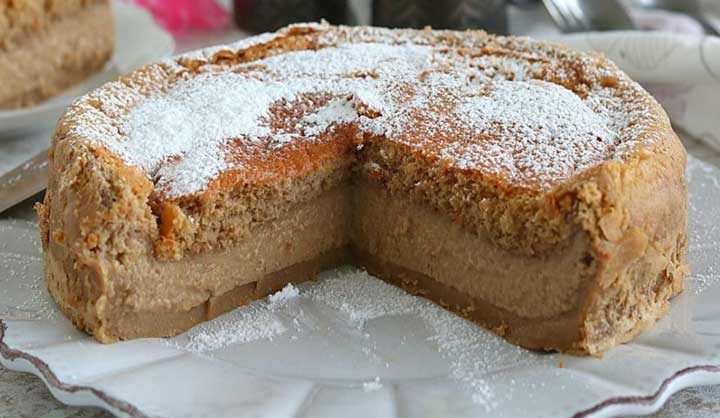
{"type": "Point", "coordinates": [561, 333]}
{"type": "Point", "coordinates": [557, 333]}
{"type": "Point", "coordinates": [52, 60]}
{"type": "Point", "coordinates": [167, 323]}
{"type": "Point", "coordinates": [534, 334]}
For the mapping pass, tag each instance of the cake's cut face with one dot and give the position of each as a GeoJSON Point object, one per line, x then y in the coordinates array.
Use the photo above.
{"type": "Point", "coordinates": [533, 189]}
{"type": "Point", "coordinates": [48, 46]}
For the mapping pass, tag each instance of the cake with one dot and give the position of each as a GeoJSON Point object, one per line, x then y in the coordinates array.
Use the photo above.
{"type": "Point", "coordinates": [48, 46]}
{"type": "Point", "coordinates": [530, 188]}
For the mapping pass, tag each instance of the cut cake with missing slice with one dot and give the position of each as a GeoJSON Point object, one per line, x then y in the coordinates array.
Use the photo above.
{"type": "Point", "coordinates": [535, 190]}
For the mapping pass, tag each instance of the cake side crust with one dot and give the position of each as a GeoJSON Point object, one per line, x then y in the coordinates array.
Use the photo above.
{"type": "Point", "coordinates": [635, 213]}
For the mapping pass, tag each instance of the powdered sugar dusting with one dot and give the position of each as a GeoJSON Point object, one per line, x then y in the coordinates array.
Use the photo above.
{"type": "Point", "coordinates": [254, 322]}
{"type": "Point", "coordinates": [209, 52]}
{"type": "Point", "coordinates": [475, 111]}
{"type": "Point", "coordinates": [283, 296]}
{"type": "Point", "coordinates": [179, 138]}
{"type": "Point", "coordinates": [361, 297]}
{"type": "Point", "coordinates": [535, 129]}
{"type": "Point", "coordinates": [704, 234]}
{"type": "Point", "coordinates": [372, 385]}
{"type": "Point", "coordinates": [471, 352]}
{"type": "Point", "coordinates": [250, 324]}
{"type": "Point", "coordinates": [335, 112]}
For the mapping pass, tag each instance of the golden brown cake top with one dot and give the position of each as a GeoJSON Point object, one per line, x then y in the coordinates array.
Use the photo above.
{"type": "Point", "coordinates": [517, 113]}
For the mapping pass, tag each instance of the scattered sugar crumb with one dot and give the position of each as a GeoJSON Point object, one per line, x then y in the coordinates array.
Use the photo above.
{"type": "Point", "coordinates": [335, 112]}
{"type": "Point", "coordinates": [287, 293]}
{"type": "Point", "coordinates": [372, 385]}
{"type": "Point", "coordinates": [250, 323]}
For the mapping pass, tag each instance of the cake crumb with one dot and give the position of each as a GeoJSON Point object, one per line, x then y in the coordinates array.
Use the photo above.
{"type": "Point", "coordinates": [283, 296]}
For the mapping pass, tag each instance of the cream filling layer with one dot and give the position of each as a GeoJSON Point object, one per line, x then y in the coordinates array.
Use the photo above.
{"type": "Point", "coordinates": [417, 238]}
{"type": "Point", "coordinates": [303, 233]}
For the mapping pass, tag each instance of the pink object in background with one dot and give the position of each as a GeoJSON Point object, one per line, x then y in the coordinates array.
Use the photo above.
{"type": "Point", "coordinates": [178, 16]}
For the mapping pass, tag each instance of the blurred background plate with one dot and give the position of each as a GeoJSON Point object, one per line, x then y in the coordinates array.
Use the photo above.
{"type": "Point", "coordinates": [138, 40]}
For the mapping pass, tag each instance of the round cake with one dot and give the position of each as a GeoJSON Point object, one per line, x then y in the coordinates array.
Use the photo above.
{"type": "Point", "coordinates": [533, 189]}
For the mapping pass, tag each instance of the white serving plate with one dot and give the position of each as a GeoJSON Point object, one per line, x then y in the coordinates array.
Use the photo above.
{"type": "Point", "coordinates": [138, 41]}
{"type": "Point", "coordinates": [320, 362]}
